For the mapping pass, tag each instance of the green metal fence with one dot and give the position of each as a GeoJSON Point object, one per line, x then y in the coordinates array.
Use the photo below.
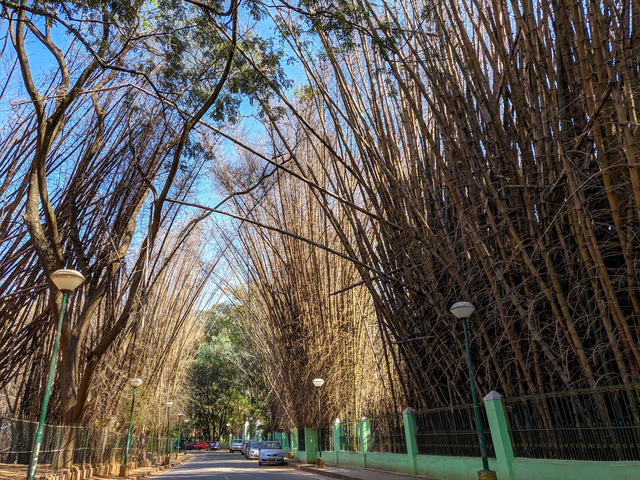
{"type": "Point", "coordinates": [301, 441]}
{"type": "Point", "coordinates": [327, 439]}
{"type": "Point", "coordinates": [451, 431]}
{"type": "Point", "coordinates": [64, 446]}
{"type": "Point", "coordinates": [350, 438]}
{"type": "Point", "coordinates": [590, 424]}
{"type": "Point", "coordinates": [386, 434]}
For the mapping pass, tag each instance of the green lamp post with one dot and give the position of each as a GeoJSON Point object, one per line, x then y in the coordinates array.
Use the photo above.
{"type": "Point", "coordinates": [462, 311]}
{"type": "Point", "coordinates": [66, 281]}
{"type": "Point", "coordinates": [124, 469]}
{"type": "Point", "coordinates": [318, 382]}
{"type": "Point", "coordinates": [269, 431]}
{"type": "Point", "coordinates": [180, 415]}
{"type": "Point", "coordinates": [167, 460]}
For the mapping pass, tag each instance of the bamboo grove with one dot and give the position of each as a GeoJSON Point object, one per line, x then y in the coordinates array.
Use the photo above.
{"type": "Point", "coordinates": [428, 153]}
{"type": "Point", "coordinates": [468, 150]}
{"type": "Point", "coordinates": [98, 139]}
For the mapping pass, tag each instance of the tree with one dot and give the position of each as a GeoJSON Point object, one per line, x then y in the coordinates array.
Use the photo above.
{"type": "Point", "coordinates": [107, 143]}
{"type": "Point", "coordinates": [220, 378]}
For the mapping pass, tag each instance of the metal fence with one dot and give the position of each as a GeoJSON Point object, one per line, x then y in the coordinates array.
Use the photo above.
{"type": "Point", "coordinates": [590, 424]}
{"type": "Point", "coordinates": [386, 434]}
{"type": "Point", "coordinates": [326, 439]}
{"type": "Point", "coordinates": [350, 438]}
{"type": "Point", "coordinates": [63, 446]}
{"type": "Point", "coordinates": [302, 443]}
{"type": "Point", "coordinates": [451, 431]}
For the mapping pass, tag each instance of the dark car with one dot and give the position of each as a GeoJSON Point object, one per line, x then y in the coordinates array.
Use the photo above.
{"type": "Point", "coordinates": [214, 446]}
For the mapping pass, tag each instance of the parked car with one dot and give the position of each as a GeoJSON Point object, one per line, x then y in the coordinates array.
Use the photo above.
{"type": "Point", "coordinates": [270, 453]}
{"type": "Point", "coordinates": [253, 450]}
{"type": "Point", "coordinates": [214, 446]}
{"type": "Point", "coordinates": [236, 445]}
{"type": "Point", "coordinates": [245, 446]}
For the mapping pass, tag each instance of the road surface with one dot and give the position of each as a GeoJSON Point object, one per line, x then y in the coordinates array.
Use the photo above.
{"type": "Point", "coordinates": [223, 465]}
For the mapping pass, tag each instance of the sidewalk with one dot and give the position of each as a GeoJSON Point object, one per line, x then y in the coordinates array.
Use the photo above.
{"type": "Point", "coordinates": [19, 472]}
{"type": "Point", "coordinates": [348, 473]}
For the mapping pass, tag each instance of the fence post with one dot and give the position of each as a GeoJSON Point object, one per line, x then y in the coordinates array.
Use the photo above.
{"type": "Point", "coordinates": [337, 435]}
{"type": "Point", "coordinates": [311, 444]}
{"type": "Point", "coordinates": [294, 442]}
{"type": "Point", "coordinates": [410, 437]}
{"type": "Point", "coordinates": [365, 430]}
{"type": "Point", "coordinates": [500, 436]}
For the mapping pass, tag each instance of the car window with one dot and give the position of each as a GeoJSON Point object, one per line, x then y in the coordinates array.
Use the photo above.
{"type": "Point", "coordinates": [271, 445]}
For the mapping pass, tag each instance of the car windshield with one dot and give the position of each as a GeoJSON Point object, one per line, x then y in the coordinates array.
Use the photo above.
{"type": "Point", "coordinates": [270, 445]}
{"type": "Point", "coordinates": [255, 445]}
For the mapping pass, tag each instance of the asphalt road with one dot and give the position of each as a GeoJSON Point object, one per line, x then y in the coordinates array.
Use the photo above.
{"type": "Point", "coordinates": [228, 466]}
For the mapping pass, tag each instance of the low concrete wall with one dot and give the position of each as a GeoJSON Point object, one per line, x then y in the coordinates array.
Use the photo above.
{"type": "Point", "coordinates": [535, 469]}
{"type": "Point", "coordinates": [450, 468]}
{"type": "Point", "coordinates": [506, 466]}
{"type": "Point", "coordinates": [350, 459]}
{"type": "Point", "coordinates": [392, 462]}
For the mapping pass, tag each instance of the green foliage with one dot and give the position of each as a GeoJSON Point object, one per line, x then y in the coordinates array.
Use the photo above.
{"type": "Point", "coordinates": [221, 381]}
{"type": "Point", "coordinates": [122, 11]}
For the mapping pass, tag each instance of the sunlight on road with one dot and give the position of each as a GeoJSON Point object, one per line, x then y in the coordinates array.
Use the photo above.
{"type": "Point", "coordinates": [226, 466]}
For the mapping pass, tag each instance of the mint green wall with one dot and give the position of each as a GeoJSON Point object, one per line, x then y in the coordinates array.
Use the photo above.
{"type": "Point", "coordinates": [392, 462]}
{"type": "Point", "coordinates": [450, 468]}
{"type": "Point", "coordinates": [462, 468]}
{"type": "Point", "coordinates": [535, 469]}
{"type": "Point", "coordinates": [351, 459]}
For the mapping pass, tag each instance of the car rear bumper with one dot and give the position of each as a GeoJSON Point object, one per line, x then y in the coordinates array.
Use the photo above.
{"type": "Point", "coordinates": [271, 461]}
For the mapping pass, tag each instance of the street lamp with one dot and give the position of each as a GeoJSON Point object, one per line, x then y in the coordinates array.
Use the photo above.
{"type": "Point", "coordinates": [318, 382]}
{"type": "Point", "coordinates": [180, 415]}
{"type": "Point", "coordinates": [124, 469]}
{"type": "Point", "coordinates": [270, 432]}
{"type": "Point", "coordinates": [462, 311]}
{"type": "Point", "coordinates": [169, 405]}
{"type": "Point", "coordinates": [66, 281]}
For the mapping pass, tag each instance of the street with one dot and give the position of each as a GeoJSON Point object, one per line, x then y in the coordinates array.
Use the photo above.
{"type": "Point", "coordinates": [223, 465]}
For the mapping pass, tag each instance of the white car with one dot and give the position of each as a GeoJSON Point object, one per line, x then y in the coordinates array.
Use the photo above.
{"type": "Point", "coordinates": [236, 445]}
{"type": "Point", "coordinates": [253, 450]}
{"type": "Point", "coordinates": [270, 453]}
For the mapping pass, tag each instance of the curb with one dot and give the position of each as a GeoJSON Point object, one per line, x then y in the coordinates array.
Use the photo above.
{"type": "Point", "coordinates": [162, 468]}
{"type": "Point", "coordinates": [324, 473]}
{"type": "Point", "coordinates": [328, 473]}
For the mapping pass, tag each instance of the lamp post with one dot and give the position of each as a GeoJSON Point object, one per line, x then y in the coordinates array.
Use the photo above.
{"type": "Point", "coordinates": [462, 311]}
{"type": "Point", "coordinates": [228, 434]}
{"type": "Point", "coordinates": [180, 415]}
{"type": "Point", "coordinates": [167, 460]}
{"type": "Point", "coordinates": [269, 432]}
{"type": "Point", "coordinates": [124, 469]}
{"type": "Point", "coordinates": [318, 382]}
{"type": "Point", "coordinates": [66, 281]}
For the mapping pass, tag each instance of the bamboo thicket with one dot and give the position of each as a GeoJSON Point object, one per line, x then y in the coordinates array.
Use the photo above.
{"type": "Point", "coordinates": [479, 151]}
